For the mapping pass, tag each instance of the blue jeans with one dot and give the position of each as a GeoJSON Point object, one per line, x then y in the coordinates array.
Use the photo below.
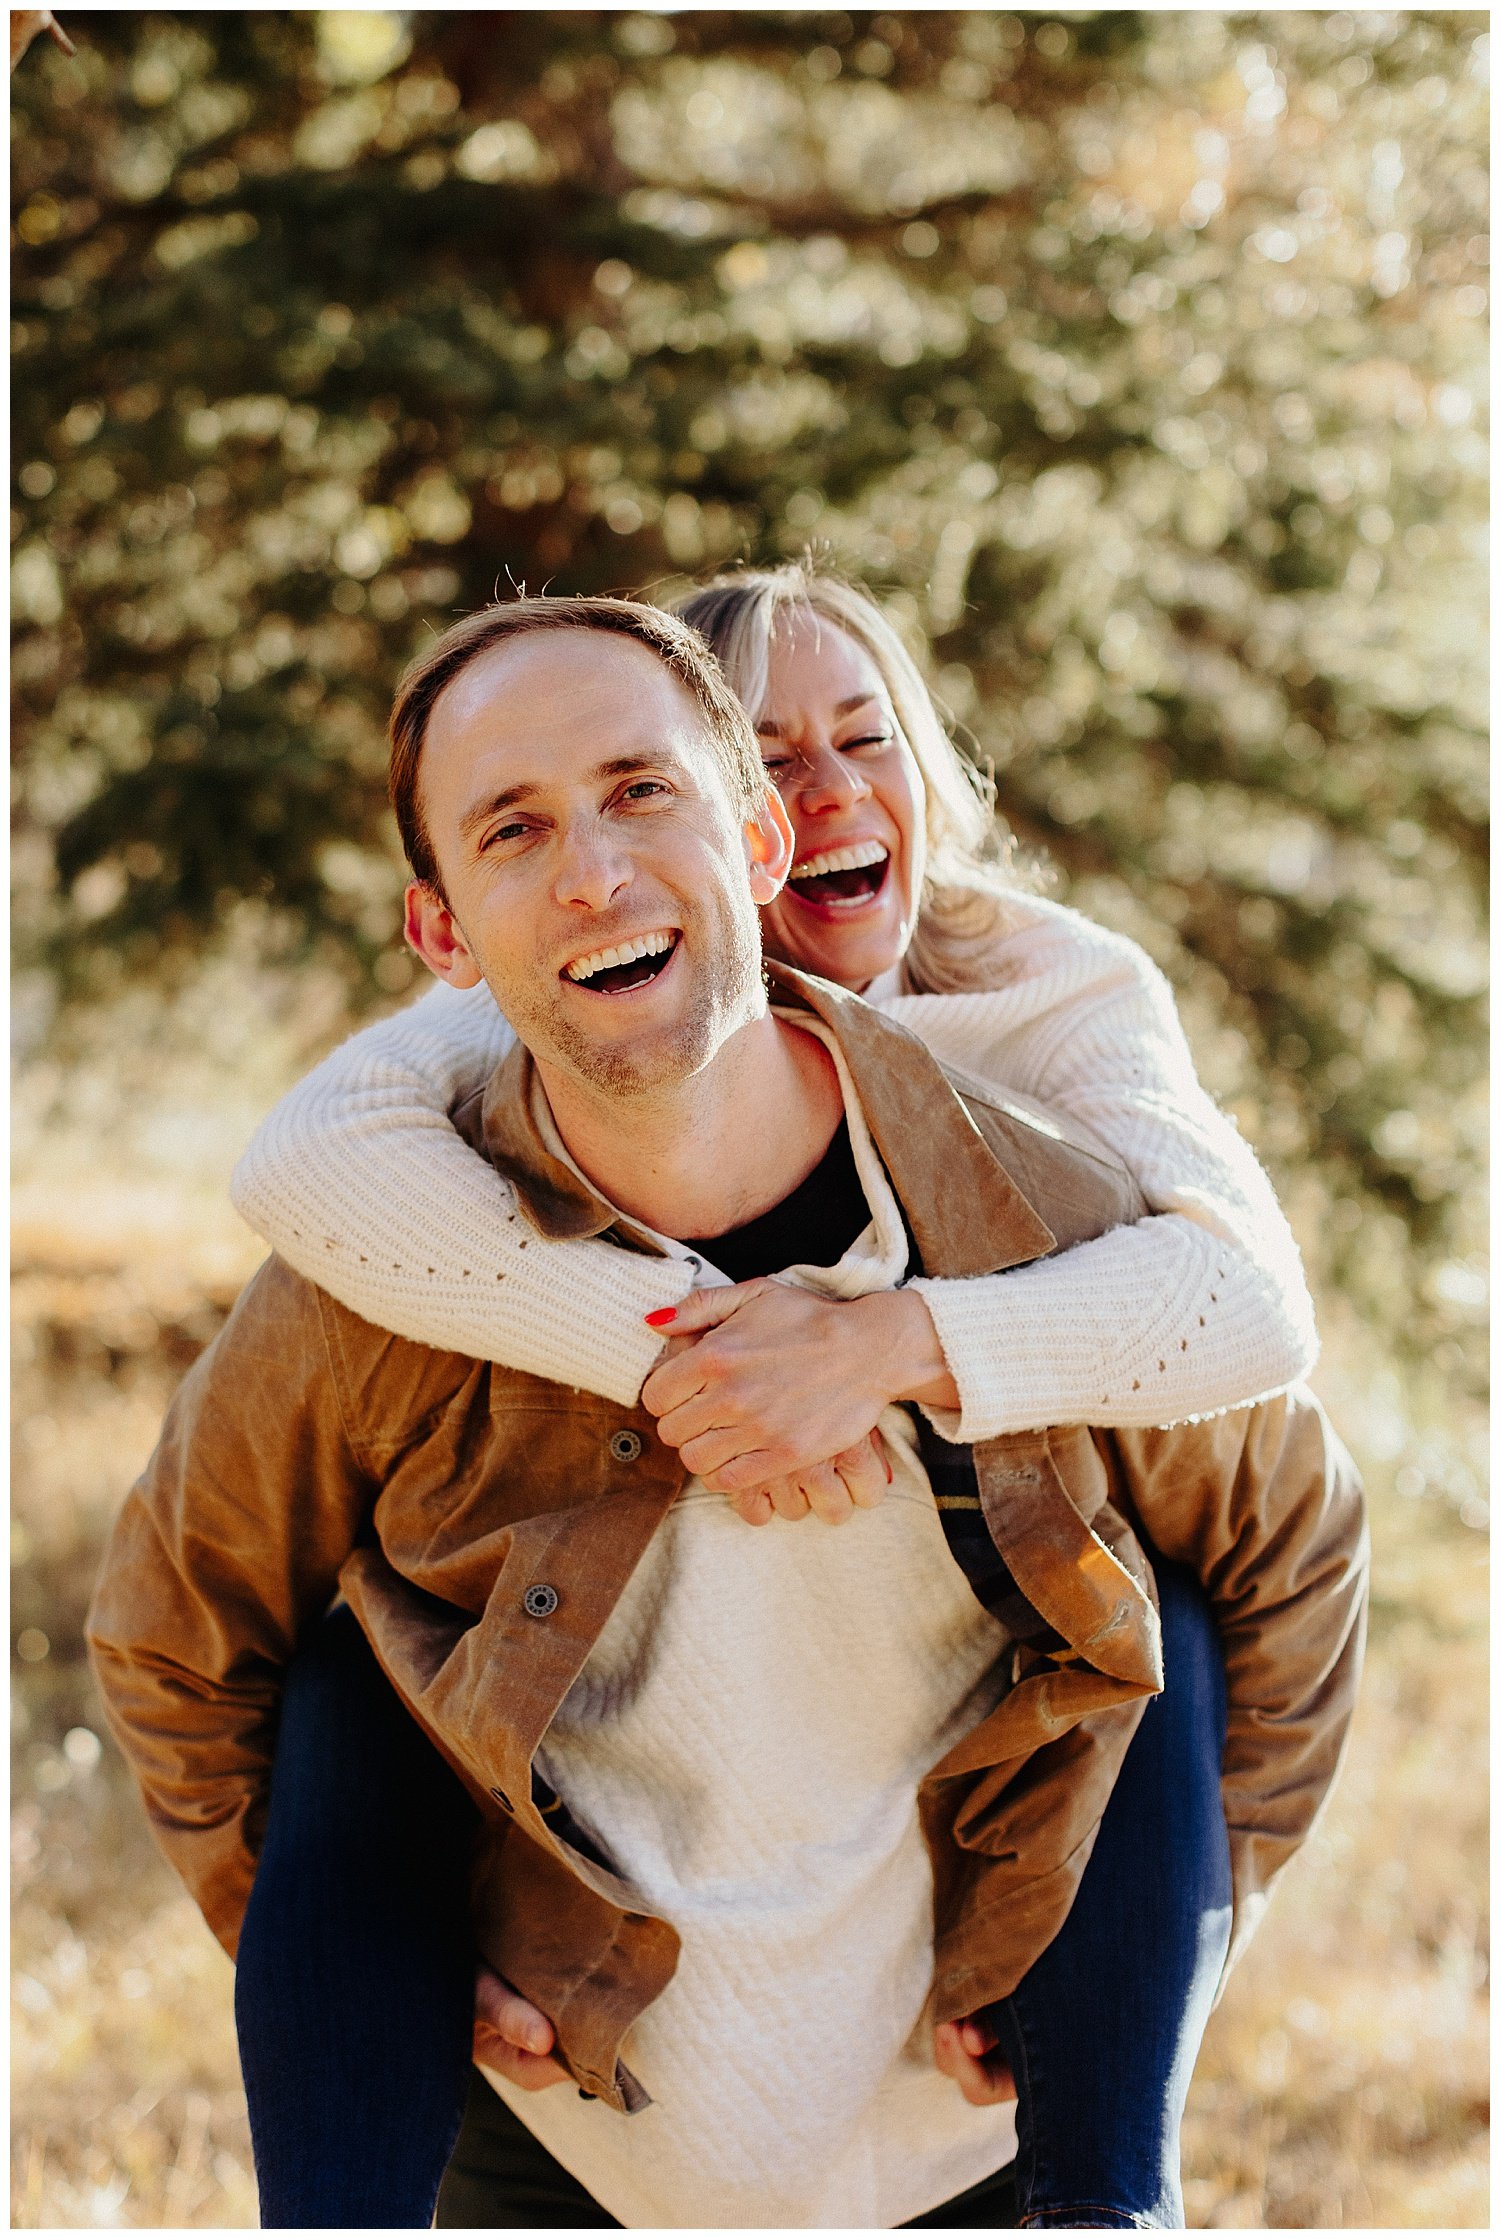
{"type": "Point", "coordinates": [354, 1983]}
{"type": "Point", "coordinates": [1103, 2031]}
{"type": "Point", "coordinates": [354, 1991]}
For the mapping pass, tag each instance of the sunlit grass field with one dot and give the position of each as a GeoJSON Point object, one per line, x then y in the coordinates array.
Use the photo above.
{"type": "Point", "coordinates": [1344, 2081]}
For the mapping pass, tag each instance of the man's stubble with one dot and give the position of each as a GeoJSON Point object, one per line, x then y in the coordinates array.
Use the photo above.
{"type": "Point", "coordinates": [726, 992]}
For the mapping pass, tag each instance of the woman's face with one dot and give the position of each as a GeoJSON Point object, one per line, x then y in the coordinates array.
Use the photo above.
{"type": "Point", "coordinates": [853, 790]}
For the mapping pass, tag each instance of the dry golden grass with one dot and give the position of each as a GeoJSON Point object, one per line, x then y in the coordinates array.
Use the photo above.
{"type": "Point", "coordinates": [1344, 2078]}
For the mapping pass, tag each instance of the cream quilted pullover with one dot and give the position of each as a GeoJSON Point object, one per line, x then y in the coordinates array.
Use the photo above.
{"type": "Point", "coordinates": [358, 1179]}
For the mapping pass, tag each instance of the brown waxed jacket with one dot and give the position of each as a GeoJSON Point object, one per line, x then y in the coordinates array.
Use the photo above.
{"type": "Point", "coordinates": [482, 1523]}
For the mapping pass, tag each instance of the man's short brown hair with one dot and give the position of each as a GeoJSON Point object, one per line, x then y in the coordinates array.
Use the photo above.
{"type": "Point", "coordinates": [673, 643]}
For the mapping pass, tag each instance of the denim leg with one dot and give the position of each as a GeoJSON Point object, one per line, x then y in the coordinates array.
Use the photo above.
{"type": "Point", "coordinates": [1103, 2032]}
{"type": "Point", "coordinates": [354, 1990]}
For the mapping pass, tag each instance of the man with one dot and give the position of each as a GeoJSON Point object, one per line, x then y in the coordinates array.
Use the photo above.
{"type": "Point", "coordinates": [674, 1861]}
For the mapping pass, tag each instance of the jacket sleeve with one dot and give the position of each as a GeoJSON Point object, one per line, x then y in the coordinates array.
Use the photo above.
{"type": "Point", "coordinates": [1266, 1507]}
{"type": "Point", "coordinates": [229, 1545]}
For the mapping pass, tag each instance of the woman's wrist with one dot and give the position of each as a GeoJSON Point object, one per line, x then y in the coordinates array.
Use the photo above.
{"type": "Point", "coordinates": [905, 1344]}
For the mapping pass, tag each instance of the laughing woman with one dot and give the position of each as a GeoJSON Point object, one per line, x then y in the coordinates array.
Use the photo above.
{"type": "Point", "coordinates": [771, 1395]}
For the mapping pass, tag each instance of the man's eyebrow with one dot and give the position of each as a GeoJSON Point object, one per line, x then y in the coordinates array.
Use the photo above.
{"type": "Point", "coordinates": [621, 765]}
{"type": "Point", "coordinates": [624, 765]}
{"type": "Point", "coordinates": [491, 805]}
{"type": "Point", "coordinates": [769, 728]}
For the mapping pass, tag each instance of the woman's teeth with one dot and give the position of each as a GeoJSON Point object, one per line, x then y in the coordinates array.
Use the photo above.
{"type": "Point", "coordinates": [585, 968]}
{"type": "Point", "coordinates": [841, 874]}
{"type": "Point", "coordinates": [855, 858]}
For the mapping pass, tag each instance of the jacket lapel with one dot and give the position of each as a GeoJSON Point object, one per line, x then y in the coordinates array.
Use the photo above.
{"type": "Point", "coordinates": [967, 1213]}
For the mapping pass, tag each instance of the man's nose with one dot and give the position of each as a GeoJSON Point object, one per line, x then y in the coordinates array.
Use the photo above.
{"type": "Point", "coordinates": [593, 869]}
{"type": "Point", "coordinates": [831, 780]}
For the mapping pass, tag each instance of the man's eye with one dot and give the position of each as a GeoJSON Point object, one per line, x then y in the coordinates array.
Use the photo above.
{"type": "Point", "coordinates": [642, 789]}
{"type": "Point", "coordinates": [502, 832]}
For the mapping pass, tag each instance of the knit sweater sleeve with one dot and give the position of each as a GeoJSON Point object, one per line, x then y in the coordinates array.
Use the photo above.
{"type": "Point", "coordinates": [360, 1181]}
{"type": "Point", "coordinates": [1200, 1307]}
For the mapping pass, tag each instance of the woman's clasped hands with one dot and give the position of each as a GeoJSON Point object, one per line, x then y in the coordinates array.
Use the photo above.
{"type": "Point", "coordinates": [772, 1394]}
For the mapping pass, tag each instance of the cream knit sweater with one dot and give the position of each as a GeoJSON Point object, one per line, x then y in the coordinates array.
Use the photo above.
{"type": "Point", "coordinates": [358, 1179]}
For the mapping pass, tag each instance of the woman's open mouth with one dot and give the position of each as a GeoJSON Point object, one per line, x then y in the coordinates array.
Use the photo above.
{"type": "Point", "coordinates": [841, 877]}
{"type": "Point", "coordinates": [614, 971]}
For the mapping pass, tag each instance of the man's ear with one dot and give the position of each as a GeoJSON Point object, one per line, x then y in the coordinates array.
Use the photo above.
{"type": "Point", "coordinates": [770, 844]}
{"type": "Point", "coordinates": [434, 932]}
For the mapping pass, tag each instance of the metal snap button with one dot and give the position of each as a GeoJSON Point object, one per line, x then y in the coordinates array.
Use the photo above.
{"type": "Point", "coordinates": [539, 1601]}
{"type": "Point", "coordinates": [626, 1445]}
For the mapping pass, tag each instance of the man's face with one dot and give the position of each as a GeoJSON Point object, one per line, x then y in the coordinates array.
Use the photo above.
{"type": "Point", "coordinates": [598, 876]}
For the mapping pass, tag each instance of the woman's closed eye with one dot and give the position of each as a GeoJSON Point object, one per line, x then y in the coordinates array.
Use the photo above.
{"type": "Point", "coordinates": [776, 766]}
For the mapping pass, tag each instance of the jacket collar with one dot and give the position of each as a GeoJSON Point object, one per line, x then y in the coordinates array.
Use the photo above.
{"type": "Point", "coordinates": [967, 1213]}
{"type": "Point", "coordinates": [554, 1199]}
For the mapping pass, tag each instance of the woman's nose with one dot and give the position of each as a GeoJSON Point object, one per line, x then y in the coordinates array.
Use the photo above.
{"type": "Point", "coordinates": [831, 780]}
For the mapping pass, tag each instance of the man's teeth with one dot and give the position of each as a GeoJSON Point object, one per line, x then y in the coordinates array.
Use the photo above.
{"type": "Point", "coordinates": [841, 859]}
{"type": "Point", "coordinates": [629, 952]}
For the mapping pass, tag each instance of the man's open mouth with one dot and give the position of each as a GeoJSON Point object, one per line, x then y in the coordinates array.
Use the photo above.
{"type": "Point", "coordinates": [610, 971]}
{"type": "Point", "coordinates": [842, 874]}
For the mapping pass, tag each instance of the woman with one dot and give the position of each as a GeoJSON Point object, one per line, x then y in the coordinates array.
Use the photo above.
{"type": "Point", "coordinates": [890, 894]}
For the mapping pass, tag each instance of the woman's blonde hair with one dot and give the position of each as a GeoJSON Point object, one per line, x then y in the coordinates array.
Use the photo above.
{"type": "Point", "coordinates": [969, 872]}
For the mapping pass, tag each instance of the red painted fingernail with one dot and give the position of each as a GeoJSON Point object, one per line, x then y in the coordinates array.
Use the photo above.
{"type": "Point", "coordinates": [662, 1316]}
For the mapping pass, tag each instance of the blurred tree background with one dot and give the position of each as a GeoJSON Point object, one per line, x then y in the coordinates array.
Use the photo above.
{"type": "Point", "coordinates": [1137, 359]}
{"type": "Point", "coordinates": [1135, 355]}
